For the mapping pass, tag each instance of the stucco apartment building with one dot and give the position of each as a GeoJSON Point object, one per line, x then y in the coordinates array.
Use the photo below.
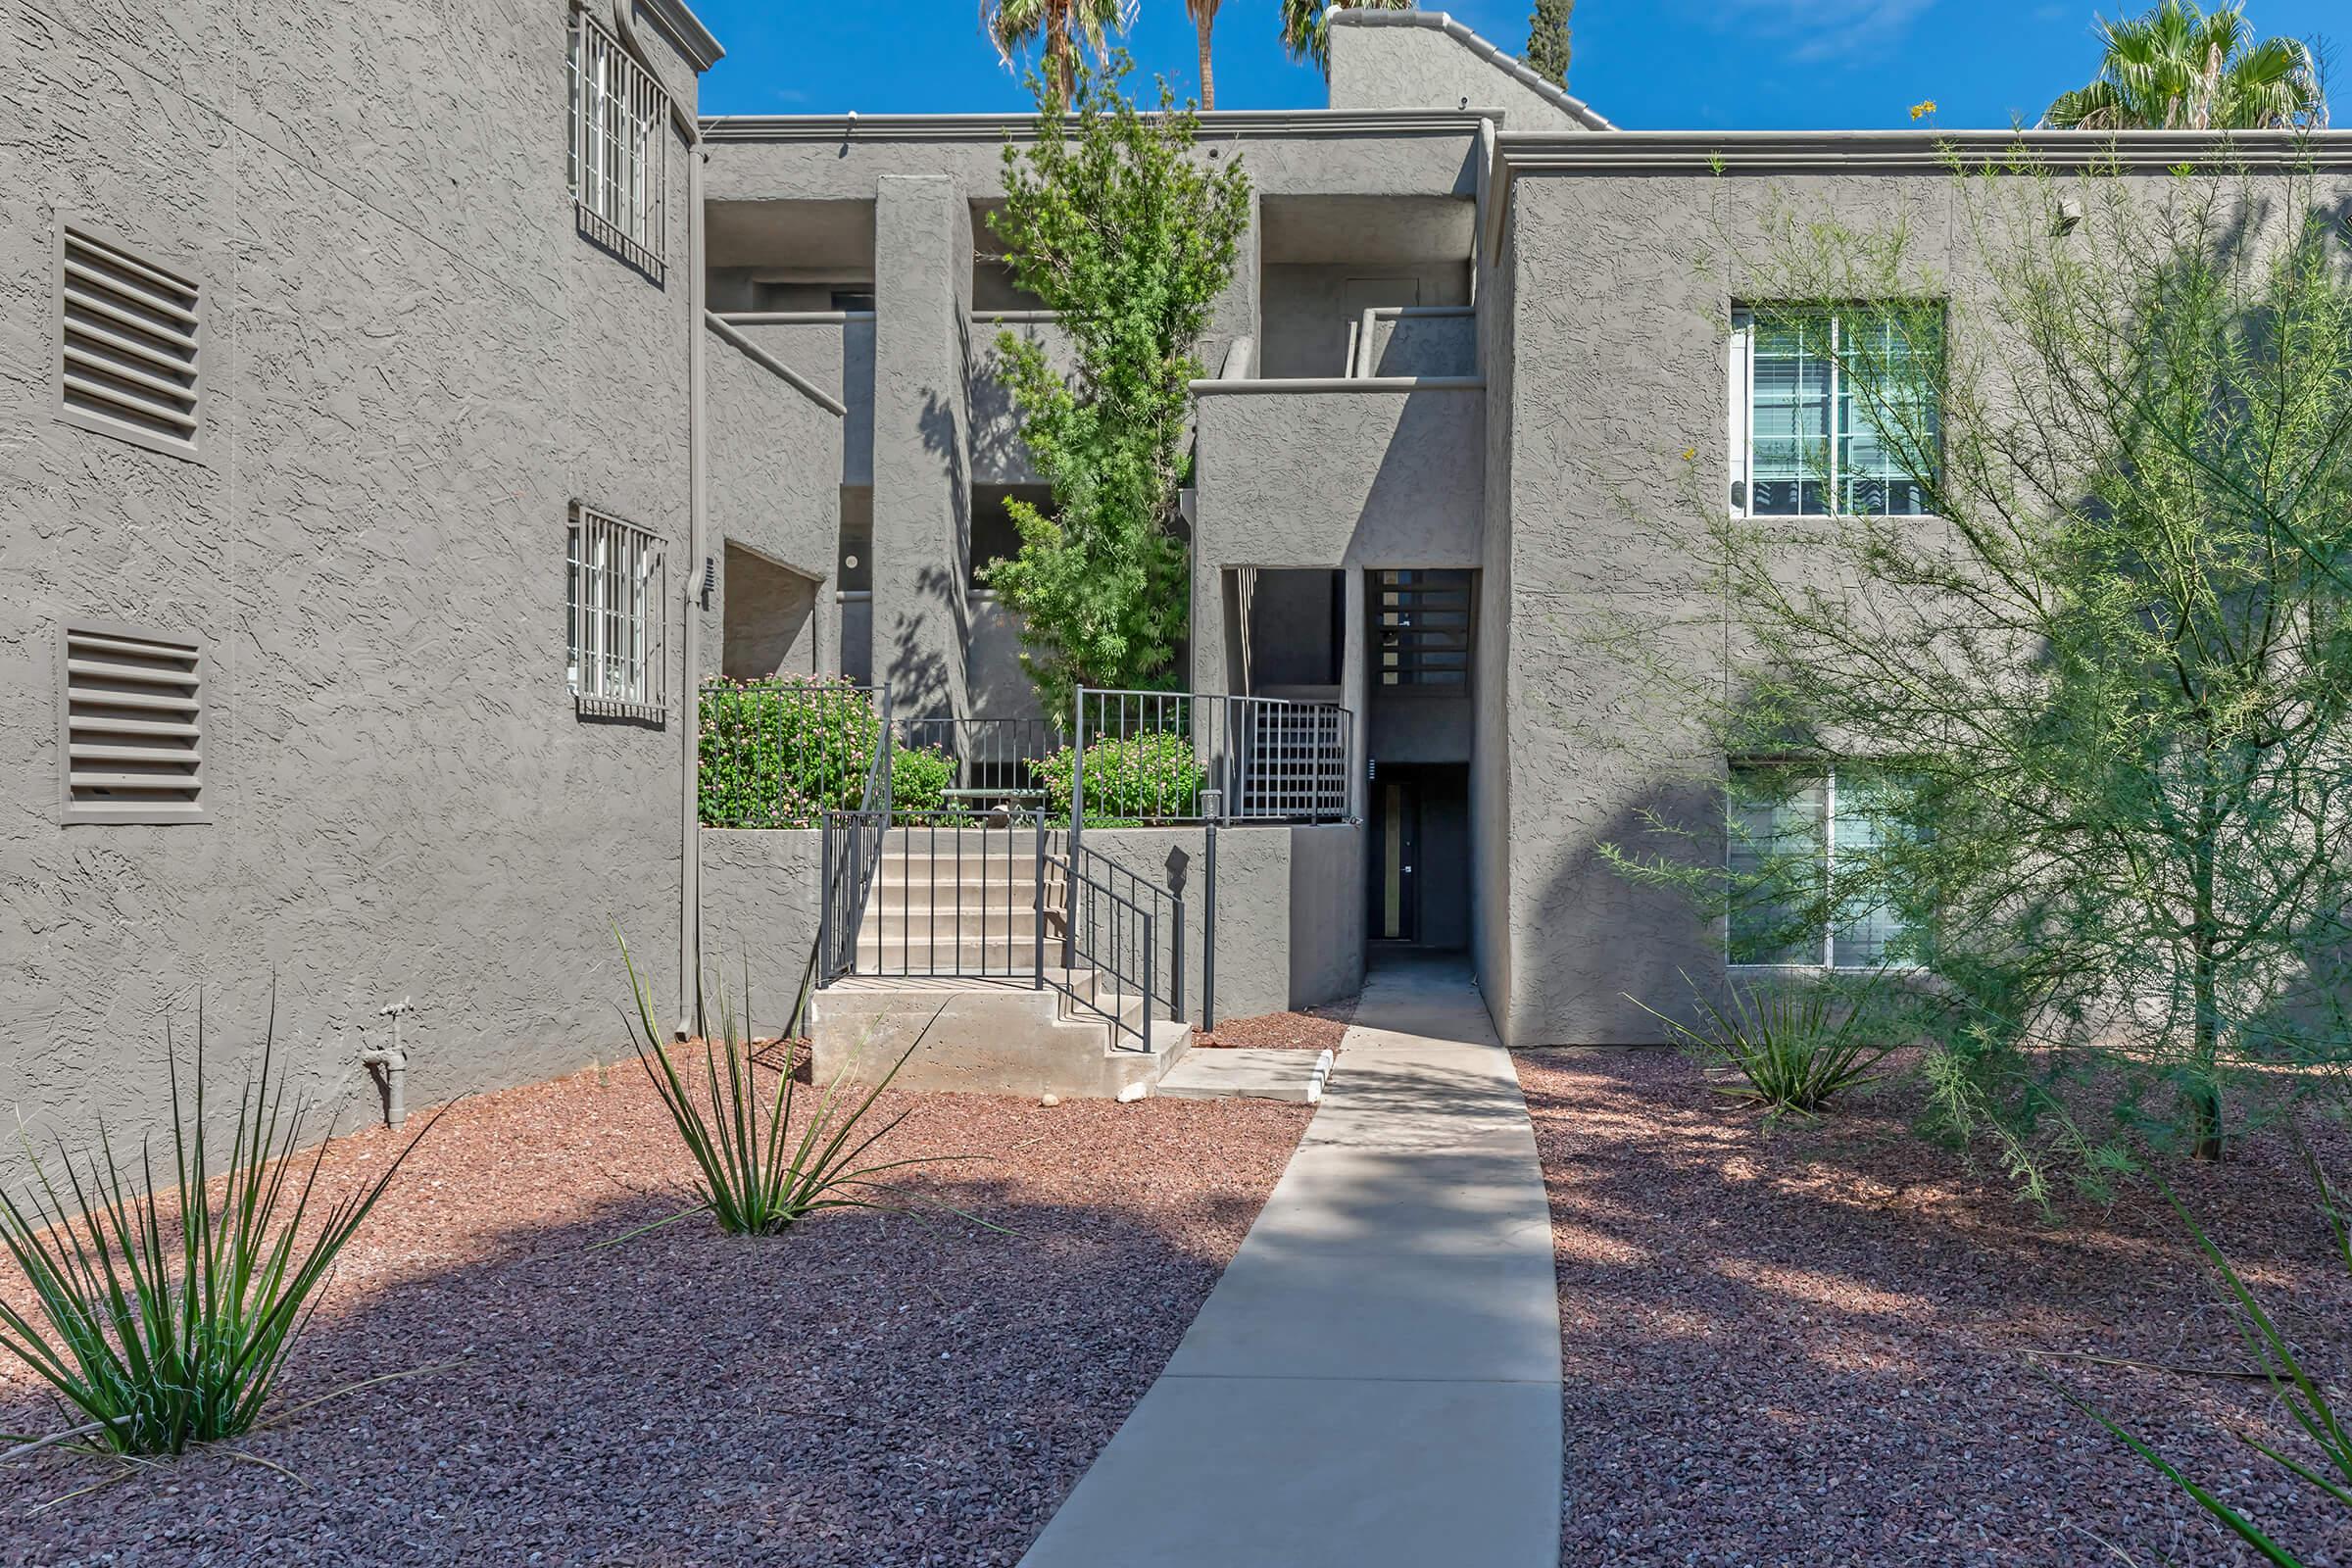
{"type": "Point", "coordinates": [404, 410]}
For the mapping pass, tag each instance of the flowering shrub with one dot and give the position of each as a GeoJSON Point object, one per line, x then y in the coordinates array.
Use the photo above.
{"type": "Point", "coordinates": [1136, 778]}
{"type": "Point", "coordinates": [782, 750]}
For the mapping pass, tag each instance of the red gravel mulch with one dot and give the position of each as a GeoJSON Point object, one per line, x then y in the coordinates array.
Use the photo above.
{"type": "Point", "coordinates": [1311, 1029]}
{"type": "Point", "coordinates": [1803, 1346]}
{"type": "Point", "coordinates": [864, 1391]}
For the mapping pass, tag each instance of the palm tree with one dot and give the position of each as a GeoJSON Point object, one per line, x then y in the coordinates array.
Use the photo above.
{"type": "Point", "coordinates": [2178, 67]}
{"type": "Point", "coordinates": [1305, 29]}
{"type": "Point", "coordinates": [1014, 24]}
{"type": "Point", "coordinates": [1205, 23]}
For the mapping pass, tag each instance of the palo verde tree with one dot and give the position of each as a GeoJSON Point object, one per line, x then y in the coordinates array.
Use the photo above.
{"type": "Point", "coordinates": [2089, 708]}
{"type": "Point", "coordinates": [1111, 222]}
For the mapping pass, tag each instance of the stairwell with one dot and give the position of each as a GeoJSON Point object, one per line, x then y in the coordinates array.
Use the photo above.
{"type": "Point", "coordinates": [958, 969]}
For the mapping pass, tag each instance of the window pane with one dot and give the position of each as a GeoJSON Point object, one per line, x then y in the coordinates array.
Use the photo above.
{"type": "Point", "coordinates": [1887, 411]}
{"type": "Point", "coordinates": [1788, 414]}
{"type": "Point", "coordinates": [1866, 822]}
{"type": "Point", "coordinates": [1776, 858]}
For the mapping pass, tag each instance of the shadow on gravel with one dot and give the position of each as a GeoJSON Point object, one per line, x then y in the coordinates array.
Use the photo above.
{"type": "Point", "coordinates": [867, 1390]}
{"type": "Point", "coordinates": [1804, 1346]}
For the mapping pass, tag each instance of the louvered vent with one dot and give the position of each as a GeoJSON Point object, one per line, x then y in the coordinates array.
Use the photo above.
{"type": "Point", "coordinates": [134, 711]}
{"type": "Point", "coordinates": [130, 344]}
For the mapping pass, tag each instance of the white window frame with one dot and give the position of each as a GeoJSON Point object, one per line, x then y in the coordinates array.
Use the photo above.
{"type": "Point", "coordinates": [617, 618]}
{"type": "Point", "coordinates": [619, 116]}
{"type": "Point", "coordinates": [1828, 960]}
{"type": "Point", "coordinates": [1740, 490]}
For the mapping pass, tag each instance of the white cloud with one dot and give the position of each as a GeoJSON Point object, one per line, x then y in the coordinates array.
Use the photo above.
{"type": "Point", "coordinates": [1823, 31]}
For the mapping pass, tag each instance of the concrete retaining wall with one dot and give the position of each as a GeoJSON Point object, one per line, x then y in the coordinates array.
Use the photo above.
{"type": "Point", "coordinates": [759, 915]}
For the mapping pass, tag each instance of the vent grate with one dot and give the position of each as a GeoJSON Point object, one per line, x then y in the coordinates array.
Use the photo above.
{"type": "Point", "coordinates": [129, 343]}
{"type": "Point", "coordinates": [134, 717]}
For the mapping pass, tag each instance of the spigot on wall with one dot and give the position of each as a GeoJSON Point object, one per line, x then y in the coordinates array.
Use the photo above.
{"type": "Point", "coordinates": [390, 1066]}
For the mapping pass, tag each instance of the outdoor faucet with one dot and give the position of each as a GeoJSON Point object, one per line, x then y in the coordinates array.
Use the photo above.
{"type": "Point", "coordinates": [390, 1066]}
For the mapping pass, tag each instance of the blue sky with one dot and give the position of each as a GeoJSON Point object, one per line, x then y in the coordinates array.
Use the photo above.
{"type": "Point", "coordinates": [1645, 63]}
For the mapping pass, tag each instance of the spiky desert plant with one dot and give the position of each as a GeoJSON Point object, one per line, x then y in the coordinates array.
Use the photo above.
{"type": "Point", "coordinates": [1791, 1049]}
{"type": "Point", "coordinates": [2305, 1397]}
{"type": "Point", "coordinates": [167, 1314]}
{"type": "Point", "coordinates": [754, 1173]}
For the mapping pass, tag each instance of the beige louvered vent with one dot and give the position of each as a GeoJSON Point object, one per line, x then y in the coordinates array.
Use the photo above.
{"type": "Point", "coordinates": [130, 345]}
{"type": "Point", "coordinates": [134, 723]}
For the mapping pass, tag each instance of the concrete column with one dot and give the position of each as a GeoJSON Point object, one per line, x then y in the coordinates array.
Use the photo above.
{"type": "Point", "coordinates": [1355, 657]}
{"type": "Point", "coordinates": [923, 459]}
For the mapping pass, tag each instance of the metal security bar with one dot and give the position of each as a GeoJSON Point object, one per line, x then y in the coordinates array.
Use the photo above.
{"type": "Point", "coordinates": [1424, 628]}
{"type": "Point", "coordinates": [619, 116]}
{"type": "Point", "coordinates": [1187, 757]}
{"type": "Point", "coordinates": [617, 618]}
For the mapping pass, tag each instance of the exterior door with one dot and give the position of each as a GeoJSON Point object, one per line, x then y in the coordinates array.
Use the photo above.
{"type": "Point", "coordinates": [1396, 881]}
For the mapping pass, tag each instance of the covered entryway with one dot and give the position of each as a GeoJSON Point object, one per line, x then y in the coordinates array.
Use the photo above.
{"type": "Point", "coordinates": [1420, 861]}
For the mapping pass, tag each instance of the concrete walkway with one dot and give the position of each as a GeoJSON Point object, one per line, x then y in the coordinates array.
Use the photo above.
{"type": "Point", "coordinates": [1375, 1380]}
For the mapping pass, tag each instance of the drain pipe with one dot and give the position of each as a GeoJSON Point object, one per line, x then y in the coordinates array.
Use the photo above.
{"type": "Point", "coordinates": [388, 1065]}
{"type": "Point", "coordinates": [697, 335]}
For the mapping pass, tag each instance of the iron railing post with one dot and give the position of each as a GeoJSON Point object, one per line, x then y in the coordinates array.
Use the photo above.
{"type": "Point", "coordinates": [824, 899]}
{"type": "Point", "coordinates": [1070, 912]}
{"type": "Point", "coordinates": [1038, 903]}
{"type": "Point", "coordinates": [1176, 960]}
{"type": "Point", "coordinates": [1151, 952]}
{"type": "Point", "coordinates": [1208, 937]}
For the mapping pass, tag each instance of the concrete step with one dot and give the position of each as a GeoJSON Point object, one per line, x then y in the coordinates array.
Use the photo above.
{"type": "Point", "coordinates": [1247, 1073]}
{"type": "Point", "coordinates": [992, 1036]}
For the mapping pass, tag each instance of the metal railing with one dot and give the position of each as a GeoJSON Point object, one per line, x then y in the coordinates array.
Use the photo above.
{"type": "Point", "coordinates": [1169, 973]}
{"type": "Point", "coordinates": [782, 752]}
{"type": "Point", "coordinates": [1112, 942]}
{"type": "Point", "coordinates": [953, 894]}
{"type": "Point", "coordinates": [1192, 757]}
{"type": "Point", "coordinates": [851, 846]}
{"type": "Point", "coordinates": [992, 755]}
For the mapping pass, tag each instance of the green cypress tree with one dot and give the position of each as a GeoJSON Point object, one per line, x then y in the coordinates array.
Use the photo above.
{"type": "Point", "coordinates": [1548, 40]}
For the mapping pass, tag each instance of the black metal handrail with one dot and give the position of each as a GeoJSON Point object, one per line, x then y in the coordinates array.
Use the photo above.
{"type": "Point", "coordinates": [1110, 938]}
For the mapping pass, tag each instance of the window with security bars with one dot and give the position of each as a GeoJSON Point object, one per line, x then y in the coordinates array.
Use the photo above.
{"type": "Point", "coordinates": [614, 617]}
{"type": "Point", "coordinates": [619, 116]}
{"type": "Point", "coordinates": [1834, 412]}
{"type": "Point", "coordinates": [133, 722]}
{"type": "Point", "coordinates": [1421, 628]}
{"type": "Point", "coordinates": [129, 345]}
{"type": "Point", "coordinates": [1789, 837]}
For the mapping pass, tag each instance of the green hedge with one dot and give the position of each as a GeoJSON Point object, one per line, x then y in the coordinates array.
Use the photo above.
{"type": "Point", "coordinates": [780, 752]}
{"type": "Point", "coordinates": [1140, 778]}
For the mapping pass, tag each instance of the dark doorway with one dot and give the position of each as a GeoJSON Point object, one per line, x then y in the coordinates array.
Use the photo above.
{"type": "Point", "coordinates": [1419, 882]}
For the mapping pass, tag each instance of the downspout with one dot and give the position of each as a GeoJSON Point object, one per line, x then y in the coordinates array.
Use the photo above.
{"type": "Point", "coordinates": [690, 726]}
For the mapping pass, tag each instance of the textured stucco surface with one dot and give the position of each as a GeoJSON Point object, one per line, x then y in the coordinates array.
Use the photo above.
{"type": "Point", "coordinates": [772, 487]}
{"type": "Point", "coordinates": [1360, 478]}
{"type": "Point", "coordinates": [759, 916]}
{"type": "Point", "coordinates": [415, 364]}
{"type": "Point", "coordinates": [1290, 908]}
{"type": "Point", "coordinates": [1383, 67]}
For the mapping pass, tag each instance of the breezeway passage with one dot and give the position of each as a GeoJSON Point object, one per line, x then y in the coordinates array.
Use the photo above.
{"type": "Point", "coordinates": [1375, 1380]}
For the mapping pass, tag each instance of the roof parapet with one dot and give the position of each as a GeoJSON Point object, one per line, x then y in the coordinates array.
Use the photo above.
{"type": "Point", "coordinates": [1685, 152]}
{"type": "Point", "coordinates": [1510, 65]}
{"type": "Point", "coordinates": [684, 28]}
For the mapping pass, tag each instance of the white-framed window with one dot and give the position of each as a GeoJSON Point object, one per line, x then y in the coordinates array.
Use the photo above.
{"type": "Point", "coordinates": [615, 617]}
{"type": "Point", "coordinates": [1788, 833]}
{"type": "Point", "coordinates": [619, 116]}
{"type": "Point", "coordinates": [1833, 410]}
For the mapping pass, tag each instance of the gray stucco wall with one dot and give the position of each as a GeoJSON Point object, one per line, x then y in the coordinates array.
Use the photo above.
{"type": "Point", "coordinates": [1380, 62]}
{"type": "Point", "coordinates": [1290, 908]}
{"type": "Point", "coordinates": [1306, 309]}
{"type": "Point", "coordinates": [1364, 477]}
{"type": "Point", "coordinates": [414, 364]}
{"type": "Point", "coordinates": [759, 916]}
{"type": "Point", "coordinates": [773, 488]}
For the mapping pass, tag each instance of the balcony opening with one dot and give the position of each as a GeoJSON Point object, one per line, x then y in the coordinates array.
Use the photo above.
{"type": "Point", "coordinates": [1291, 632]}
{"type": "Point", "coordinates": [1366, 286]}
{"type": "Point", "coordinates": [790, 257]}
